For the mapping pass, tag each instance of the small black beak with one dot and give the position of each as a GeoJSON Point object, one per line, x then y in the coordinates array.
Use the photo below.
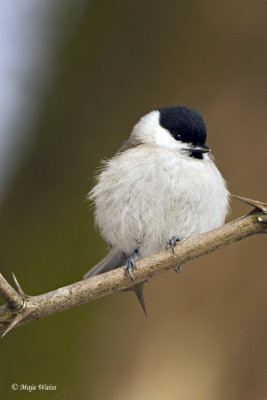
{"type": "Point", "coordinates": [200, 149]}
{"type": "Point", "coordinates": [197, 150]}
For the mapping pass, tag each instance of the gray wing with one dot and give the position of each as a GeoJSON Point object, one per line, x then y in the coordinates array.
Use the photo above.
{"type": "Point", "coordinates": [129, 144]}
{"type": "Point", "coordinates": [113, 260]}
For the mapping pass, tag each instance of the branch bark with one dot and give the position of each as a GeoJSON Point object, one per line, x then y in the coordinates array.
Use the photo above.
{"type": "Point", "coordinates": [21, 308]}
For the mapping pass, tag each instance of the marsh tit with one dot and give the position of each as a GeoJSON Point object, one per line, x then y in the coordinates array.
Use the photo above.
{"type": "Point", "coordinates": [162, 186]}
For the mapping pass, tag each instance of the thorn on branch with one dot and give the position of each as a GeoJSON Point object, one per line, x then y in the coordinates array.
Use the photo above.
{"type": "Point", "coordinates": [18, 287]}
{"type": "Point", "coordinates": [254, 203]}
{"type": "Point", "coordinates": [16, 321]}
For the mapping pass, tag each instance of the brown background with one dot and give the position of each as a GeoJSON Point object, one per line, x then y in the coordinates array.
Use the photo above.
{"type": "Point", "coordinates": [204, 337]}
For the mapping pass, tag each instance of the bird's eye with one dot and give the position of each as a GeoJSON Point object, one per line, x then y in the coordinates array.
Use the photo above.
{"type": "Point", "coordinates": [177, 136]}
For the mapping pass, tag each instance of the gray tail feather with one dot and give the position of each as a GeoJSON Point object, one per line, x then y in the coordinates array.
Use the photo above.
{"type": "Point", "coordinates": [113, 260]}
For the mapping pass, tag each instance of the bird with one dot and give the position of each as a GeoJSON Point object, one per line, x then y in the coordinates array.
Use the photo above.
{"type": "Point", "coordinates": [161, 187]}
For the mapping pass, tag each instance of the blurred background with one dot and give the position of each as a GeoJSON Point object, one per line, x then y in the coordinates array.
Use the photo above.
{"type": "Point", "coordinates": [75, 76]}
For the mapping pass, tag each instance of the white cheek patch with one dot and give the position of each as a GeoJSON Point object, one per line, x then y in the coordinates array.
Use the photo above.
{"type": "Point", "coordinates": [163, 138]}
{"type": "Point", "coordinates": [148, 130]}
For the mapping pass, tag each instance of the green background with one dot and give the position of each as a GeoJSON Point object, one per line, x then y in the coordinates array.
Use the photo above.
{"type": "Point", "coordinates": [204, 336]}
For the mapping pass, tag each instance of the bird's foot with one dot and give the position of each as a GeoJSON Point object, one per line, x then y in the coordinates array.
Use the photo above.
{"type": "Point", "coordinates": [172, 242]}
{"type": "Point", "coordinates": [130, 264]}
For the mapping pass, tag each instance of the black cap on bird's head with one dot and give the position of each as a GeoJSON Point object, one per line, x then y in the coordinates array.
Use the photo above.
{"type": "Point", "coordinates": [185, 125]}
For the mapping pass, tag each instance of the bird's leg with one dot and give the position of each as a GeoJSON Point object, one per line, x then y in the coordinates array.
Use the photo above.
{"type": "Point", "coordinates": [130, 264]}
{"type": "Point", "coordinates": [138, 289]}
{"type": "Point", "coordinates": [172, 243]}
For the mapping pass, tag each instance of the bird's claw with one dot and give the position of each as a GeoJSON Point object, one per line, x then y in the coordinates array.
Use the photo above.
{"type": "Point", "coordinates": [172, 242]}
{"type": "Point", "coordinates": [130, 264]}
{"type": "Point", "coordinates": [129, 268]}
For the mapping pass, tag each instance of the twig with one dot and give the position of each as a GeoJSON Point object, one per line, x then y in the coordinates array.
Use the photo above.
{"type": "Point", "coordinates": [21, 308]}
{"type": "Point", "coordinates": [13, 299]}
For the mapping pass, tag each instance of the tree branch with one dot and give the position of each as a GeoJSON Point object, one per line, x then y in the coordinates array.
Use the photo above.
{"type": "Point", "coordinates": [21, 308]}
